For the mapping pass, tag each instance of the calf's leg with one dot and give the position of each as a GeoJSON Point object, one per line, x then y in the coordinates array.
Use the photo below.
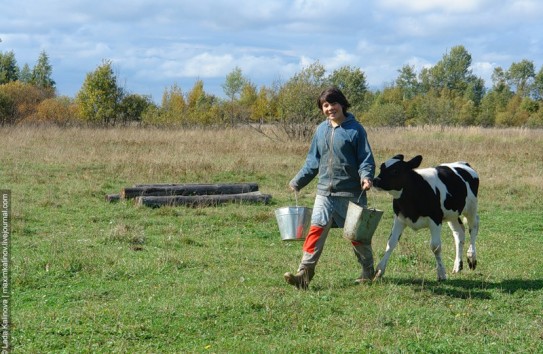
{"type": "Point", "coordinates": [459, 235]}
{"type": "Point", "coordinates": [473, 225]}
{"type": "Point", "coordinates": [435, 246]}
{"type": "Point", "coordinates": [397, 229]}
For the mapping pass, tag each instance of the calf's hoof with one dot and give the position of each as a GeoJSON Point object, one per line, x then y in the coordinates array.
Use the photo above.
{"type": "Point", "coordinates": [458, 268]}
{"type": "Point", "coordinates": [378, 274]}
{"type": "Point", "coordinates": [441, 275]}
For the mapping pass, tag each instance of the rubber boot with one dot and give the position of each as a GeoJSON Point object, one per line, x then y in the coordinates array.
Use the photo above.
{"type": "Point", "coordinates": [364, 254]}
{"type": "Point", "coordinates": [301, 279]}
{"type": "Point", "coordinates": [366, 276]}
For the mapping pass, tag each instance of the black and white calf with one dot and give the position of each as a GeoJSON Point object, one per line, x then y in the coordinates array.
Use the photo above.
{"type": "Point", "coordinates": [426, 198]}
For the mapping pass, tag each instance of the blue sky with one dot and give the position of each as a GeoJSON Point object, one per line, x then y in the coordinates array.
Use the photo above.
{"type": "Point", "coordinates": [155, 44]}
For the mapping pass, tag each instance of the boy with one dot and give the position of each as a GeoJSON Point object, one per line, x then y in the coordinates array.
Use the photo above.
{"type": "Point", "coordinates": [341, 157]}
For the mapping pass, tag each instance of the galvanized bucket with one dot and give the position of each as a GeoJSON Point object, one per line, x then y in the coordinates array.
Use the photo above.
{"type": "Point", "coordinates": [361, 223]}
{"type": "Point", "coordinates": [293, 222]}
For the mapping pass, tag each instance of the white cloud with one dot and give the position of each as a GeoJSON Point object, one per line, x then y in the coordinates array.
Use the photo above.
{"type": "Point", "coordinates": [341, 58]}
{"type": "Point", "coordinates": [314, 9]}
{"type": "Point", "coordinates": [203, 65]}
{"type": "Point", "coordinates": [483, 70]}
{"type": "Point", "coordinates": [411, 26]}
{"type": "Point", "coordinates": [449, 6]}
{"type": "Point", "coordinates": [261, 66]}
{"type": "Point", "coordinates": [306, 61]}
{"type": "Point", "coordinates": [367, 48]}
{"type": "Point", "coordinates": [530, 8]}
{"type": "Point", "coordinates": [419, 63]}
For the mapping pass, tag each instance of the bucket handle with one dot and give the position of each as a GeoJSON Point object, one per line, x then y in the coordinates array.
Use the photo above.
{"type": "Point", "coordinates": [372, 197]}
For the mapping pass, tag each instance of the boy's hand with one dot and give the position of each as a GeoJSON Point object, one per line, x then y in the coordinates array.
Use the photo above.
{"type": "Point", "coordinates": [366, 184]}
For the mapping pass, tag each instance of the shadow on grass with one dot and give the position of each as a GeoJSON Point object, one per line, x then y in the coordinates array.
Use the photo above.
{"type": "Point", "coordinates": [468, 289]}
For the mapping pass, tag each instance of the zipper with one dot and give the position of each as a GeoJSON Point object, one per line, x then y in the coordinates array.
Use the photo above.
{"type": "Point", "coordinates": [330, 158]}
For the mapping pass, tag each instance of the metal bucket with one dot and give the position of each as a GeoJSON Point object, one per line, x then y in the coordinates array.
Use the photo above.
{"type": "Point", "coordinates": [293, 222]}
{"type": "Point", "coordinates": [361, 223]}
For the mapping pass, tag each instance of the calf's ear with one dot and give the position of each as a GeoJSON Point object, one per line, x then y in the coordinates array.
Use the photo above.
{"type": "Point", "coordinates": [415, 161]}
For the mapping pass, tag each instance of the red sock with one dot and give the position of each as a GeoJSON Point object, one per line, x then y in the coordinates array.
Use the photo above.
{"type": "Point", "coordinates": [312, 238]}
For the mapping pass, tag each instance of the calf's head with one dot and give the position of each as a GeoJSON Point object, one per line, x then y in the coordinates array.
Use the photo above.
{"type": "Point", "coordinates": [394, 172]}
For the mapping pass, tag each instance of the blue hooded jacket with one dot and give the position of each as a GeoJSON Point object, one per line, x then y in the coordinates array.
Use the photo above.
{"type": "Point", "coordinates": [340, 156]}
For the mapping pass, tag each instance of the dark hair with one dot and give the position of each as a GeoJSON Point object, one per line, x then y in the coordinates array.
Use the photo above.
{"type": "Point", "coordinates": [333, 95]}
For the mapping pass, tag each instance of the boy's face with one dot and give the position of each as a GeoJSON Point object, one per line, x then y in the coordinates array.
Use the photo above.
{"type": "Point", "coordinates": [333, 111]}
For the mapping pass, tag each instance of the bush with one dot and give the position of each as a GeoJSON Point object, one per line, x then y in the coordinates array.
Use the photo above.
{"type": "Point", "coordinates": [156, 117]}
{"type": "Point", "coordinates": [7, 109]}
{"type": "Point", "coordinates": [467, 114]}
{"type": "Point", "coordinates": [536, 119]}
{"type": "Point", "coordinates": [132, 107]}
{"type": "Point", "coordinates": [388, 114]}
{"type": "Point", "coordinates": [21, 100]}
{"type": "Point", "coordinates": [59, 111]}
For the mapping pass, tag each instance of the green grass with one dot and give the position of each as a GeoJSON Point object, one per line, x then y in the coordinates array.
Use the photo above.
{"type": "Point", "coordinates": [89, 276]}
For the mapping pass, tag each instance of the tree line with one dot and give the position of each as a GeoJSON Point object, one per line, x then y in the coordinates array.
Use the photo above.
{"type": "Point", "coordinates": [447, 93]}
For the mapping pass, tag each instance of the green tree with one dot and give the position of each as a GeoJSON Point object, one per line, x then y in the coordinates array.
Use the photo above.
{"type": "Point", "coordinates": [387, 114]}
{"type": "Point", "coordinates": [407, 82]}
{"type": "Point", "coordinates": [513, 115]}
{"type": "Point", "coordinates": [434, 109]}
{"type": "Point", "coordinates": [153, 116]}
{"type": "Point", "coordinates": [425, 80]}
{"type": "Point", "coordinates": [520, 75]}
{"type": "Point", "coordinates": [174, 106]}
{"type": "Point", "coordinates": [132, 106]}
{"type": "Point", "coordinates": [466, 112]}
{"type": "Point", "coordinates": [456, 67]}
{"type": "Point", "coordinates": [247, 100]}
{"type": "Point", "coordinates": [173, 111]}
{"type": "Point", "coordinates": [451, 75]}
{"type": "Point", "coordinates": [475, 90]}
{"type": "Point", "coordinates": [297, 107]}
{"type": "Point", "coordinates": [487, 114]}
{"type": "Point", "coordinates": [234, 83]}
{"type": "Point", "coordinates": [352, 82]}
{"type": "Point", "coordinates": [493, 102]}
{"type": "Point", "coordinates": [99, 98]}
{"type": "Point", "coordinates": [499, 79]}
{"type": "Point", "coordinates": [536, 119]}
{"type": "Point", "coordinates": [202, 108]}
{"type": "Point", "coordinates": [9, 71]}
{"type": "Point", "coordinates": [264, 108]}
{"type": "Point", "coordinates": [232, 89]}
{"type": "Point", "coordinates": [387, 108]}
{"type": "Point", "coordinates": [529, 105]}
{"type": "Point", "coordinates": [173, 100]}
{"type": "Point", "coordinates": [388, 95]}
{"type": "Point", "coordinates": [41, 73]}
{"type": "Point", "coordinates": [26, 74]}
{"type": "Point", "coordinates": [538, 85]}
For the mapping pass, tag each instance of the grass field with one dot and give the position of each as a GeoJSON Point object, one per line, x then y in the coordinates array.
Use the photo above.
{"type": "Point", "coordinates": [90, 276]}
